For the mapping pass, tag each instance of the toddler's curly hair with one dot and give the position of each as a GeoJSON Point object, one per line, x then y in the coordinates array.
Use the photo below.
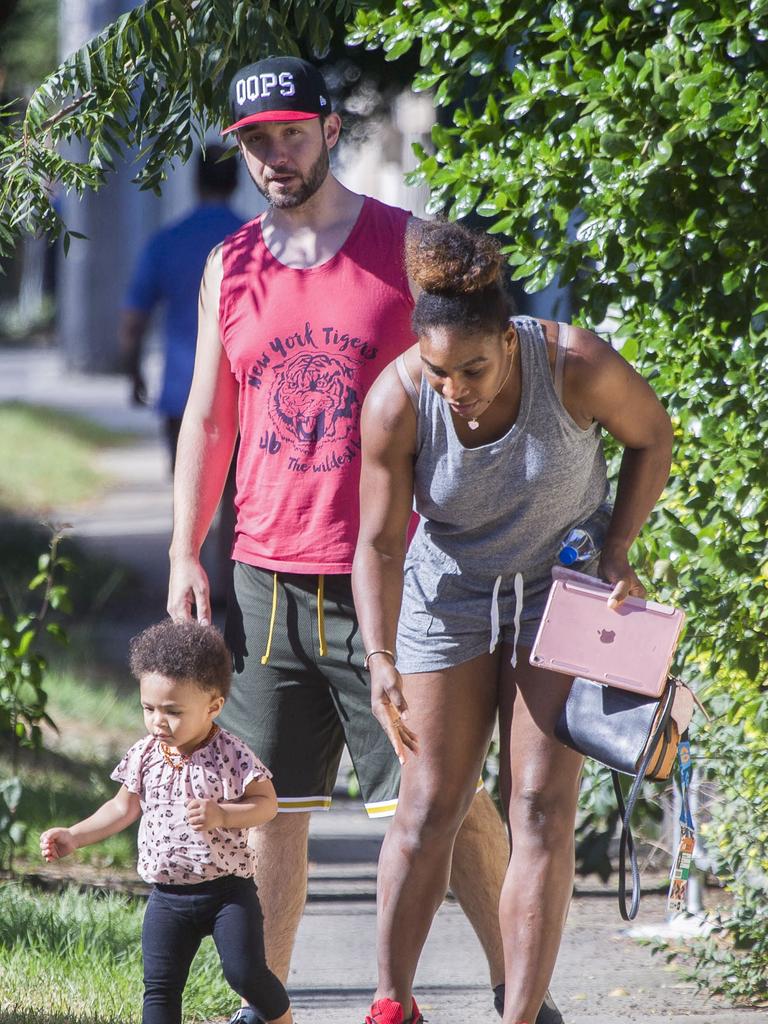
{"type": "Point", "coordinates": [183, 650]}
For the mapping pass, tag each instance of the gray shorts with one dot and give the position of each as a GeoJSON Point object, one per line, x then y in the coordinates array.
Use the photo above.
{"type": "Point", "coordinates": [447, 618]}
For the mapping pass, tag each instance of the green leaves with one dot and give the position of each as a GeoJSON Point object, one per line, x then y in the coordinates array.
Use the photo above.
{"type": "Point", "coordinates": [684, 538]}
{"type": "Point", "coordinates": [623, 147]}
{"type": "Point", "coordinates": [148, 85]}
{"type": "Point", "coordinates": [22, 696]}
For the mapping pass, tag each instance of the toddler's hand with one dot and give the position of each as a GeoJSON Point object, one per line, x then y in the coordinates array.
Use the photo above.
{"type": "Point", "coordinates": [56, 843]}
{"type": "Point", "coordinates": [204, 814]}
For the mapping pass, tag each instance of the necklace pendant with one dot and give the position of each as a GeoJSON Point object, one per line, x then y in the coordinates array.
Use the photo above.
{"type": "Point", "coordinates": [473, 424]}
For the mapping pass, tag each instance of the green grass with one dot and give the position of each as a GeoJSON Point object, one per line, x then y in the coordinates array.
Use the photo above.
{"type": "Point", "coordinates": [61, 791]}
{"type": "Point", "coordinates": [92, 584]}
{"type": "Point", "coordinates": [48, 458]}
{"type": "Point", "coordinates": [18, 1015]}
{"type": "Point", "coordinates": [106, 716]}
{"type": "Point", "coordinates": [70, 778]}
{"type": "Point", "coordinates": [61, 956]}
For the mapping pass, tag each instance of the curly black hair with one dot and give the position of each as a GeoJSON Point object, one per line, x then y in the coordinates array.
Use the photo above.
{"type": "Point", "coordinates": [183, 650]}
{"type": "Point", "coordinates": [460, 274]}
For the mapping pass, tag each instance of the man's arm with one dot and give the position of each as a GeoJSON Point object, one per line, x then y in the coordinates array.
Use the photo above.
{"type": "Point", "coordinates": [143, 294]}
{"type": "Point", "coordinates": [206, 442]}
{"type": "Point", "coordinates": [133, 328]}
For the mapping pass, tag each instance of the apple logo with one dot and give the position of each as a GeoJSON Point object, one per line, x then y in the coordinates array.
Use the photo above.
{"type": "Point", "coordinates": [607, 636]}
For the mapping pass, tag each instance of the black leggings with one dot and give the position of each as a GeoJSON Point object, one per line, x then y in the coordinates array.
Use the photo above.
{"type": "Point", "coordinates": [176, 920]}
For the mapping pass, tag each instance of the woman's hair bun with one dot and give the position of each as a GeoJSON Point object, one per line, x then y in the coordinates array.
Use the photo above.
{"type": "Point", "coordinates": [445, 258]}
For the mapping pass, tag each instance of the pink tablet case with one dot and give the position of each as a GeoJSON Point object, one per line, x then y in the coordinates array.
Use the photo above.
{"type": "Point", "coordinates": [630, 647]}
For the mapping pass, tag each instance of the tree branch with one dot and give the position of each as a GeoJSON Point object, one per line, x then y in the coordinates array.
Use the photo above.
{"type": "Point", "coordinates": [65, 111]}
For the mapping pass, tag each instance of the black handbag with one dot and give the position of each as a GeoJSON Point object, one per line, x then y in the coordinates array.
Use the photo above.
{"type": "Point", "coordinates": [631, 734]}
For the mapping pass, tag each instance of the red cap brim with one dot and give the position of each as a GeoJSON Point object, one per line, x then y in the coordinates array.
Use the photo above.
{"type": "Point", "coordinates": [270, 115]}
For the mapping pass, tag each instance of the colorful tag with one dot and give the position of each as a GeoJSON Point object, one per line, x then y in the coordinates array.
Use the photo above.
{"type": "Point", "coordinates": [681, 868]}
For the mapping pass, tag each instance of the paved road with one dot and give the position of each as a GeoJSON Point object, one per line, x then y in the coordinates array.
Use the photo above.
{"type": "Point", "coordinates": [603, 975]}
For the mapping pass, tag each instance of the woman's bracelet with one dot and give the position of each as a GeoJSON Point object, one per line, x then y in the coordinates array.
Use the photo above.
{"type": "Point", "coordinates": [381, 650]}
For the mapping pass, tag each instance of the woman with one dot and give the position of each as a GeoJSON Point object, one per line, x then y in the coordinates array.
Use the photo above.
{"type": "Point", "coordinates": [493, 425]}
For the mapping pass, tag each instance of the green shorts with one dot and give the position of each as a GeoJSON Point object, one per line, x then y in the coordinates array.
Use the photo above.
{"type": "Point", "coordinates": [299, 691]}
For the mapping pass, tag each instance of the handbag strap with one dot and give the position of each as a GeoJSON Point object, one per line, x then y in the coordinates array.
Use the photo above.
{"type": "Point", "coordinates": [626, 843]}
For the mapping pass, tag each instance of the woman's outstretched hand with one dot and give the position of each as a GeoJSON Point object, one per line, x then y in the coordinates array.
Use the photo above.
{"type": "Point", "coordinates": [390, 707]}
{"type": "Point", "coordinates": [615, 569]}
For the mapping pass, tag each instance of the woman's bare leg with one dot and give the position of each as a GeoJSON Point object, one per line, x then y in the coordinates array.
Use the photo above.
{"type": "Point", "coordinates": [452, 713]}
{"type": "Point", "coordinates": [540, 783]}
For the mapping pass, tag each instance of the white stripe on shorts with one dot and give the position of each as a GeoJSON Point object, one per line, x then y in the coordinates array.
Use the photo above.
{"type": "Point", "coordinates": [293, 804]}
{"type": "Point", "coordinates": [386, 808]}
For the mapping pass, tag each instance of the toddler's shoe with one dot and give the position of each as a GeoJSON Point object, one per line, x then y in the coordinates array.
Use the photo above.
{"type": "Point", "coordinates": [246, 1015]}
{"type": "Point", "coordinates": [548, 1014]}
{"type": "Point", "coordinates": [389, 1011]}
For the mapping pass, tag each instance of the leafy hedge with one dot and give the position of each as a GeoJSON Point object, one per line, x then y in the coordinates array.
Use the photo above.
{"type": "Point", "coordinates": [621, 147]}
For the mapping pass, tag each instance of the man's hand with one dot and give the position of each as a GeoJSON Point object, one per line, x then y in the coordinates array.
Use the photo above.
{"type": "Point", "coordinates": [189, 592]}
{"type": "Point", "coordinates": [204, 815]}
{"type": "Point", "coordinates": [57, 843]}
{"type": "Point", "coordinates": [139, 390]}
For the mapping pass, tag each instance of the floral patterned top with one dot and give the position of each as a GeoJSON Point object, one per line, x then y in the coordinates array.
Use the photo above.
{"type": "Point", "coordinates": [170, 850]}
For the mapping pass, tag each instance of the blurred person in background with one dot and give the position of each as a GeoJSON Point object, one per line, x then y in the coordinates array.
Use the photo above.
{"type": "Point", "coordinates": [168, 274]}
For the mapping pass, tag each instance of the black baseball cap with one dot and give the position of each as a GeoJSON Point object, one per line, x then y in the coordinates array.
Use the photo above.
{"type": "Point", "coordinates": [277, 89]}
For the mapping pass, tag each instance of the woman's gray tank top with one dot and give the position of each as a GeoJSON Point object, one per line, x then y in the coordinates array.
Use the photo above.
{"type": "Point", "coordinates": [503, 508]}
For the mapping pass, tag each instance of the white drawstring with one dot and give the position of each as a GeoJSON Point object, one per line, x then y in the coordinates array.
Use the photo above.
{"type": "Point", "coordinates": [495, 614]}
{"type": "Point", "coordinates": [495, 626]}
{"type": "Point", "coordinates": [518, 613]}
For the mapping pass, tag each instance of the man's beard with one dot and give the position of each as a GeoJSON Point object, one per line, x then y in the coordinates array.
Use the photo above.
{"type": "Point", "coordinates": [306, 189]}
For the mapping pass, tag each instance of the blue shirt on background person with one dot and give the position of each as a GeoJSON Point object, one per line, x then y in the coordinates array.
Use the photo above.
{"type": "Point", "coordinates": [168, 273]}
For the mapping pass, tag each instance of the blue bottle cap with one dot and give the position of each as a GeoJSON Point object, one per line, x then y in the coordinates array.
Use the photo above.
{"type": "Point", "coordinates": [568, 555]}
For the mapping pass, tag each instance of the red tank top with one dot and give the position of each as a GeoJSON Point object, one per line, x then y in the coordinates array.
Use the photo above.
{"type": "Point", "coordinates": [305, 346]}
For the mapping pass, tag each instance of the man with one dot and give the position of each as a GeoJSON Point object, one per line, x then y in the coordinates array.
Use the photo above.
{"type": "Point", "coordinates": [167, 274]}
{"type": "Point", "coordinates": [299, 312]}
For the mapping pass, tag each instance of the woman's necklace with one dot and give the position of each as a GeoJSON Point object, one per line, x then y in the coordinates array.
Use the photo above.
{"type": "Point", "coordinates": [473, 424]}
{"type": "Point", "coordinates": [176, 760]}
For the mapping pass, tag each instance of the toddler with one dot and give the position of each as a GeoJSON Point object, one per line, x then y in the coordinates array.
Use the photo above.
{"type": "Point", "coordinates": [198, 789]}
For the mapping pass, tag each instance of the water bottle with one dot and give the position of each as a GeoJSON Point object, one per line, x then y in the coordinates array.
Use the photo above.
{"type": "Point", "coordinates": [585, 541]}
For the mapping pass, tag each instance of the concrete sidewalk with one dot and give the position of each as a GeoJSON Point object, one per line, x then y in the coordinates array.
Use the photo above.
{"type": "Point", "coordinates": [603, 976]}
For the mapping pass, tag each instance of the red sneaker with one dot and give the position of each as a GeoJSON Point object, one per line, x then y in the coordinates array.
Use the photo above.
{"type": "Point", "coordinates": [389, 1011]}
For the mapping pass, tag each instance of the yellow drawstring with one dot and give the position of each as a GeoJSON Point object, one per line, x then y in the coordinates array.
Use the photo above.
{"type": "Point", "coordinates": [320, 618]}
{"type": "Point", "coordinates": [321, 615]}
{"type": "Point", "coordinates": [273, 616]}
